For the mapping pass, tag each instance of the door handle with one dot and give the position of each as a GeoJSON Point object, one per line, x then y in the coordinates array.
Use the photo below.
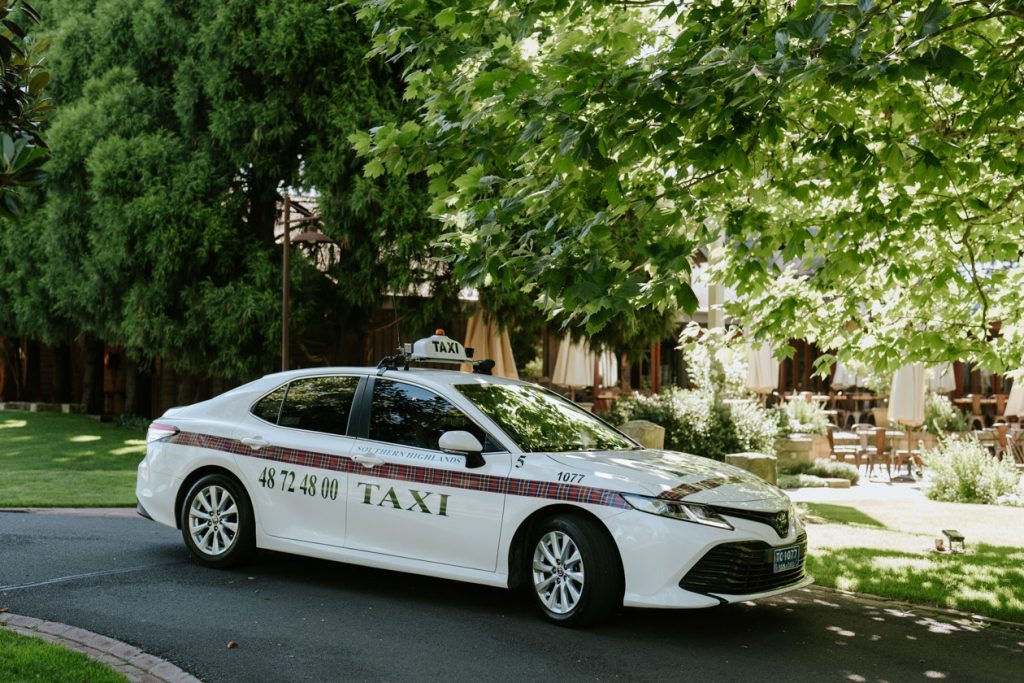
{"type": "Point", "coordinates": [367, 459]}
{"type": "Point", "coordinates": [255, 442]}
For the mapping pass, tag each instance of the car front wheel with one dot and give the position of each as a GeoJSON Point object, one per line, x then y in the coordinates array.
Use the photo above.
{"type": "Point", "coordinates": [217, 522]}
{"type": "Point", "coordinates": [575, 571]}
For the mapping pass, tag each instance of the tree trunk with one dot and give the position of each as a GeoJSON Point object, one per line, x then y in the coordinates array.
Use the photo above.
{"type": "Point", "coordinates": [9, 370]}
{"type": "Point", "coordinates": [186, 389]}
{"type": "Point", "coordinates": [62, 373]}
{"type": "Point", "coordinates": [92, 376]}
{"type": "Point", "coordinates": [133, 391]}
{"type": "Point", "coordinates": [33, 371]}
{"type": "Point", "coordinates": [263, 209]}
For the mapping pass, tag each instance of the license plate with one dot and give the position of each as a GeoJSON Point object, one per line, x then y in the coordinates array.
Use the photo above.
{"type": "Point", "coordinates": [786, 558]}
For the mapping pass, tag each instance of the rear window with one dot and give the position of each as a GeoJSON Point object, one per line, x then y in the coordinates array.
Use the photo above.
{"type": "Point", "coordinates": [316, 404]}
{"type": "Point", "coordinates": [269, 407]}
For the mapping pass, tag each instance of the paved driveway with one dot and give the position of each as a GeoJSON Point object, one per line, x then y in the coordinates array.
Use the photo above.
{"type": "Point", "coordinates": [301, 619]}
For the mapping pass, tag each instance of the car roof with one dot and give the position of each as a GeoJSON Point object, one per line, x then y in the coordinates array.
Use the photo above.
{"type": "Point", "coordinates": [427, 376]}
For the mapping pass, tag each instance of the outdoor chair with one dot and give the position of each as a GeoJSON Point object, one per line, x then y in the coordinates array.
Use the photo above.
{"type": "Point", "coordinates": [853, 410]}
{"type": "Point", "coordinates": [976, 420]}
{"type": "Point", "coordinates": [842, 452]}
{"type": "Point", "coordinates": [1000, 405]}
{"type": "Point", "coordinates": [838, 403]}
{"type": "Point", "coordinates": [908, 454]}
{"type": "Point", "coordinates": [876, 453]}
{"type": "Point", "coordinates": [989, 439]}
{"type": "Point", "coordinates": [1015, 446]}
{"type": "Point", "coordinates": [1002, 440]}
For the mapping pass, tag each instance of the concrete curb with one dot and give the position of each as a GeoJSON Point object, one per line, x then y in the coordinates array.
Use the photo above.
{"type": "Point", "coordinates": [130, 661]}
{"type": "Point", "coordinates": [76, 512]}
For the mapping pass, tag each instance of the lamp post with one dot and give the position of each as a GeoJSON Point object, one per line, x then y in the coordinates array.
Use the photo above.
{"type": "Point", "coordinates": [309, 237]}
{"type": "Point", "coordinates": [286, 281]}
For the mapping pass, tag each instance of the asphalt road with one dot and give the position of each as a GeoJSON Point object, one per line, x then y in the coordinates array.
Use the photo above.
{"type": "Point", "coordinates": [301, 619]}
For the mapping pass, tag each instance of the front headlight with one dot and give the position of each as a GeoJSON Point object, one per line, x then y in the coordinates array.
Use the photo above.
{"type": "Point", "coordinates": [688, 512]}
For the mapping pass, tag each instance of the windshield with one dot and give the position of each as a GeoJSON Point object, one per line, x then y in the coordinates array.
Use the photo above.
{"type": "Point", "coordinates": [541, 421]}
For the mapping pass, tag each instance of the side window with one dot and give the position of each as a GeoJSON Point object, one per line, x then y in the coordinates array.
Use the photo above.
{"type": "Point", "coordinates": [269, 407]}
{"type": "Point", "coordinates": [319, 404]}
{"type": "Point", "coordinates": [411, 416]}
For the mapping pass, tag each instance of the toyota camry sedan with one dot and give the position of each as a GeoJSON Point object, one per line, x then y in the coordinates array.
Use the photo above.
{"type": "Point", "coordinates": [465, 476]}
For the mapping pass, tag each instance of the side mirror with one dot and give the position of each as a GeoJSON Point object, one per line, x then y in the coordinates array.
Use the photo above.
{"type": "Point", "coordinates": [463, 443]}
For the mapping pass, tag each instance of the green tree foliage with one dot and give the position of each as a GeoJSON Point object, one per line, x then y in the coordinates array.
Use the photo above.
{"type": "Point", "coordinates": [178, 125]}
{"type": "Point", "coordinates": [859, 164]}
{"type": "Point", "coordinates": [22, 105]}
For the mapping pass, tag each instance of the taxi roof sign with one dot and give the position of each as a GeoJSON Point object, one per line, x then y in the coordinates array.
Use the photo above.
{"type": "Point", "coordinates": [440, 349]}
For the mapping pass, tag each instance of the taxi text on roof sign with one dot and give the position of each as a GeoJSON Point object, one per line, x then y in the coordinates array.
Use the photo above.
{"type": "Point", "coordinates": [439, 348]}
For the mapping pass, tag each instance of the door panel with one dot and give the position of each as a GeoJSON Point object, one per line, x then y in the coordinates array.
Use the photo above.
{"type": "Point", "coordinates": [410, 500]}
{"type": "Point", "coordinates": [296, 468]}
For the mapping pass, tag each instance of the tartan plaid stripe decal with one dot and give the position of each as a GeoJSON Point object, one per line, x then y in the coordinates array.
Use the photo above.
{"type": "Point", "coordinates": [571, 493]}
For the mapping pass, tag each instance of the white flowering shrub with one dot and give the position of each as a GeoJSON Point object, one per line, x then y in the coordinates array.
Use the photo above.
{"type": "Point", "coordinates": [961, 470]}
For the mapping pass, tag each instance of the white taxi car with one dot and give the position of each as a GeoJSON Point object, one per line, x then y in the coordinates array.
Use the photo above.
{"type": "Point", "coordinates": [465, 476]}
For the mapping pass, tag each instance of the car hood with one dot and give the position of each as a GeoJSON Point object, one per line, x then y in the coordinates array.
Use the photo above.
{"type": "Point", "coordinates": [678, 476]}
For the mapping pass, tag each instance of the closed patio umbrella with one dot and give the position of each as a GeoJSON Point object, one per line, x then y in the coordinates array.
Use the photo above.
{"type": "Point", "coordinates": [1015, 403]}
{"type": "Point", "coordinates": [843, 378]}
{"type": "Point", "coordinates": [762, 369]}
{"type": "Point", "coordinates": [574, 365]}
{"type": "Point", "coordinates": [608, 367]}
{"type": "Point", "coordinates": [940, 378]}
{"type": "Point", "coordinates": [489, 340]}
{"type": "Point", "coordinates": [906, 399]}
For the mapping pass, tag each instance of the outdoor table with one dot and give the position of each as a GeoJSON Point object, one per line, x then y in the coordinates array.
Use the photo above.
{"type": "Point", "coordinates": [988, 407]}
{"type": "Point", "coordinates": [848, 438]}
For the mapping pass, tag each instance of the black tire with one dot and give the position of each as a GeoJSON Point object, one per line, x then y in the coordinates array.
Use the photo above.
{"type": "Point", "coordinates": [212, 543]}
{"type": "Point", "coordinates": [600, 590]}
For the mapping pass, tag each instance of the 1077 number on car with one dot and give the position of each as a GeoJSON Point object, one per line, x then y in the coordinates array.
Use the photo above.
{"type": "Point", "coordinates": [284, 480]}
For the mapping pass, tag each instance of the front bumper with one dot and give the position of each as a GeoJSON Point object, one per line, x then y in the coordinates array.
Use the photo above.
{"type": "Point", "coordinates": [141, 510]}
{"type": "Point", "coordinates": [658, 554]}
{"type": "Point", "coordinates": [742, 568]}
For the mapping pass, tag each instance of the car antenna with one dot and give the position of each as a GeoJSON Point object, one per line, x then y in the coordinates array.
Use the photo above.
{"type": "Point", "coordinates": [402, 357]}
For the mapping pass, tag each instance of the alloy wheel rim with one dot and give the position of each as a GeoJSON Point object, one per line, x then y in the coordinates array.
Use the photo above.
{"type": "Point", "coordinates": [558, 575]}
{"type": "Point", "coordinates": [213, 520]}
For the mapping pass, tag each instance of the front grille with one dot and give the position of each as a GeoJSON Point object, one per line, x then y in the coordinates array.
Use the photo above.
{"type": "Point", "coordinates": [760, 517]}
{"type": "Point", "coordinates": [742, 568]}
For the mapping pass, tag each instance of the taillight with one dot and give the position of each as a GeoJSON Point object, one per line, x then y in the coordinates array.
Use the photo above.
{"type": "Point", "coordinates": [158, 432]}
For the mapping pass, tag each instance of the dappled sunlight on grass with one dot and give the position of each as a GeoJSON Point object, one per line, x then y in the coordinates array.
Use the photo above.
{"type": "Point", "coordinates": [987, 579]}
{"type": "Point", "coordinates": [72, 457]}
{"type": "Point", "coordinates": [839, 514]}
{"type": "Point", "coordinates": [55, 460]}
{"type": "Point", "coordinates": [129, 450]}
{"type": "Point", "coordinates": [903, 562]}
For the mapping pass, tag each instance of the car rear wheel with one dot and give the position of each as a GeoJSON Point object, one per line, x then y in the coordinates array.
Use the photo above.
{"type": "Point", "coordinates": [217, 522]}
{"type": "Point", "coordinates": [575, 571]}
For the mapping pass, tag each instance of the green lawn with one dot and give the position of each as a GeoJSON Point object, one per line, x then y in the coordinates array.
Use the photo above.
{"type": "Point", "coordinates": [851, 550]}
{"type": "Point", "coordinates": [24, 659]}
{"type": "Point", "coordinates": [55, 460]}
{"type": "Point", "coordinates": [842, 514]}
{"type": "Point", "coordinates": [988, 580]}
